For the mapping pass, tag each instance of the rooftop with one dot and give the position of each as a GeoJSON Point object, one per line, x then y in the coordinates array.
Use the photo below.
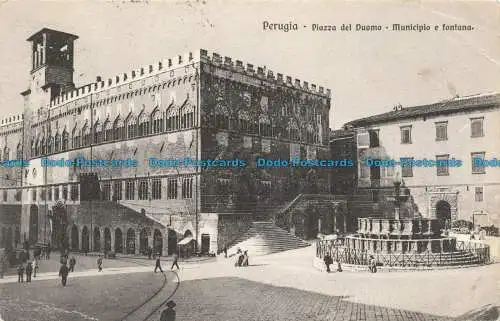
{"type": "Point", "coordinates": [453, 105]}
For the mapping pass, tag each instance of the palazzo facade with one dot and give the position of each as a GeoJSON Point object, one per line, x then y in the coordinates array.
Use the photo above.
{"type": "Point", "coordinates": [199, 106]}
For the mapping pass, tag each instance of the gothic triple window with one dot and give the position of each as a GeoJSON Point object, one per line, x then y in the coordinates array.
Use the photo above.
{"type": "Point", "coordinates": [42, 146]}
{"type": "Point", "coordinates": [108, 131]}
{"type": "Point", "coordinates": [118, 129]}
{"type": "Point", "coordinates": [143, 124]}
{"type": "Point", "coordinates": [97, 132]}
{"type": "Point", "coordinates": [131, 126]}
{"type": "Point", "coordinates": [64, 140]}
{"type": "Point", "coordinates": [76, 138]}
{"type": "Point", "coordinates": [86, 135]}
{"type": "Point", "coordinates": [245, 125]}
{"type": "Point", "coordinates": [50, 144]}
{"type": "Point", "coordinates": [293, 130]}
{"type": "Point", "coordinates": [221, 113]}
{"type": "Point", "coordinates": [157, 118]}
{"type": "Point", "coordinates": [57, 144]}
{"type": "Point", "coordinates": [37, 147]}
{"type": "Point", "coordinates": [265, 127]}
{"type": "Point", "coordinates": [6, 153]}
{"type": "Point", "coordinates": [187, 119]}
{"type": "Point", "coordinates": [310, 138]}
{"type": "Point", "coordinates": [19, 151]}
{"type": "Point", "coordinates": [172, 118]}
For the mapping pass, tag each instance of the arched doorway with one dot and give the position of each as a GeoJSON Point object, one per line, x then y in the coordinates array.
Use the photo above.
{"type": "Point", "coordinates": [118, 241]}
{"type": "Point", "coordinates": [97, 239]}
{"type": "Point", "coordinates": [311, 228]}
{"type": "Point", "coordinates": [130, 241]}
{"type": "Point", "coordinates": [74, 238]}
{"type": "Point", "coordinates": [188, 234]}
{"type": "Point", "coordinates": [205, 243]}
{"type": "Point", "coordinates": [10, 238]}
{"type": "Point", "coordinates": [33, 232]}
{"type": "Point", "coordinates": [85, 239]}
{"type": "Point", "coordinates": [59, 235]}
{"type": "Point", "coordinates": [107, 240]}
{"type": "Point", "coordinates": [312, 181]}
{"type": "Point", "coordinates": [143, 241]}
{"type": "Point", "coordinates": [17, 236]}
{"type": "Point", "coordinates": [157, 242]}
{"type": "Point", "coordinates": [443, 213]}
{"type": "Point", "coordinates": [171, 242]}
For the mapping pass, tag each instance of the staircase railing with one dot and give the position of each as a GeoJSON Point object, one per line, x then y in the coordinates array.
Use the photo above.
{"type": "Point", "coordinates": [278, 216]}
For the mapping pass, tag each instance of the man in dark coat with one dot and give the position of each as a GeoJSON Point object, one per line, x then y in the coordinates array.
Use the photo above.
{"type": "Point", "coordinates": [150, 252]}
{"type": "Point", "coordinates": [72, 263]}
{"type": "Point", "coordinates": [63, 273]}
{"type": "Point", "coordinates": [20, 273]}
{"type": "Point", "coordinates": [176, 258]}
{"type": "Point", "coordinates": [328, 260]}
{"type": "Point", "coordinates": [169, 313]}
{"type": "Point", "coordinates": [158, 263]}
{"type": "Point", "coordinates": [29, 271]}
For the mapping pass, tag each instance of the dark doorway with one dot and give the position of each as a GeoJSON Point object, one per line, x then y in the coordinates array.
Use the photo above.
{"type": "Point", "coordinates": [172, 242]}
{"type": "Point", "coordinates": [97, 240]}
{"type": "Point", "coordinates": [443, 213]}
{"type": "Point", "coordinates": [59, 236]}
{"type": "Point", "coordinates": [158, 242]}
{"type": "Point", "coordinates": [143, 241]}
{"type": "Point", "coordinates": [118, 241]}
{"type": "Point", "coordinates": [375, 174]}
{"type": "Point", "coordinates": [85, 239]}
{"type": "Point", "coordinates": [33, 232]}
{"type": "Point", "coordinates": [130, 241]}
{"type": "Point", "coordinates": [107, 240]}
{"type": "Point", "coordinates": [312, 226]}
{"type": "Point", "coordinates": [74, 238]}
{"type": "Point", "coordinates": [10, 238]}
{"type": "Point", "coordinates": [205, 243]}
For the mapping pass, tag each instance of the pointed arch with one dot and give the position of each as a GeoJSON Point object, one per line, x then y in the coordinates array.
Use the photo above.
{"type": "Point", "coordinates": [64, 141]}
{"type": "Point", "coordinates": [131, 125]}
{"type": "Point", "coordinates": [50, 143]}
{"type": "Point", "coordinates": [118, 128]}
{"type": "Point", "coordinates": [86, 134]}
{"type": "Point", "coordinates": [172, 118]}
{"type": "Point", "coordinates": [157, 120]}
{"type": "Point", "coordinates": [293, 130]}
{"type": "Point", "coordinates": [144, 123]}
{"type": "Point", "coordinates": [97, 132]}
{"type": "Point", "coordinates": [42, 145]}
{"type": "Point", "coordinates": [107, 130]}
{"type": "Point", "coordinates": [75, 137]}
{"type": "Point", "coordinates": [265, 127]}
{"type": "Point", "coordinates": [57, 143]}
{"type": "Point", "coordinates": [187, 118]}
{"type": "Point", "coordinates": [6, 153]}
{"type": "Point", "coordinates": [19, 151]}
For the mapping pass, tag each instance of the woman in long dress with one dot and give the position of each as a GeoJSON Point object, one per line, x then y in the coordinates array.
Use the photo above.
{"type": "Point", "coordinates": [245, 259]}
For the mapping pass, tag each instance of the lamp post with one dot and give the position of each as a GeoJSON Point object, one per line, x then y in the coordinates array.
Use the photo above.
{"type": "Point", "coordinates": [397, 195]}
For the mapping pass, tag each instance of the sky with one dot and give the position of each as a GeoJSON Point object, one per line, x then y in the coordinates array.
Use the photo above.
{"type": "Point", "coordinates": [368, 72]}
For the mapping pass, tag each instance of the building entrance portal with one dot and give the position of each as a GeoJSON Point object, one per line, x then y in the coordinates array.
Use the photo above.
{"type": "Point", "coordinates": [59, 235]}
{"type": "Point", "coordinates": [172, 242]}
{"type": "Point", "coordinates": [443, 213]}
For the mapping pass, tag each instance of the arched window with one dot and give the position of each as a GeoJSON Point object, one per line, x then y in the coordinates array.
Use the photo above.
{"type": "Point", "coordinates": [131, 126]}
{"type": "Point", "coordinates": [97, 132]}
{"type": "Point", "coordinates": [172, 118]}
{"type": "Point", "coordinates": [187, 119]}
{"type": "Point", "coordinates": [76, 137]}
{"type": "Point", "coordinates": [293, 130]}
{"type": "Point", "coordinates": [57, 143]}
{"type": "Point", "coordinates": [42, 146]}
{"type": "Point", "coordinates": [144, 124]}
{"type": "Point", "coordinates": [221, 114]}
{"type": "Point", "coordinates": [244, 121]}
{"type": "Point", "coordinates": [37, 146]}
{"type": "Point", "coordinates": [108, 131]}
{"type": "Point", "coordinates": [19, 151]}
{"type": "Point", "coordinates": [265, 128]}
{"type": "Point", "coordinates": [157, 119]}
{"type": "Point", "coordinates": [50, 144]}
{"type": "Point", "coordinates": [6, 153]}
{"type": "Point", "coordinates": [33, 145]}
{"type": "Point", "coordinates": [118, 129]}
{"type": "Point", "coordinates": [86, 135]}
{"type": "Point", "coordinates": [65, 140]}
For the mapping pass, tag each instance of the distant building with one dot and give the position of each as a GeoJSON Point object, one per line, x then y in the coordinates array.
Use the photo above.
{"type": "Point", "coordinates": [199, 106]}
{"type": "Point", "coordinates": [459, 129]}
{"type": "Point", "coordinates": [343, 147]}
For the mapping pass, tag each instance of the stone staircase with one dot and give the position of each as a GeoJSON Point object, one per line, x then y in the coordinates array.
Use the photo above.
{"type": "Point", "coordinates": [264, 238]}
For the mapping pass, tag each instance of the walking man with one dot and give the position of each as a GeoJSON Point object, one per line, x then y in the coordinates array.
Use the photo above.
{"type": "Point", "coordinates": [35, 266]}
{"type": "Point", "coordinates": [176, 258]}
{"type": "Point", "coordinates": [158, 265]}
{"type": "Point", "coordinates": [29, 271]}
{"type": "Point", "coordinates": [72, 263]}
{"type": "Point", "coordinates": [20, 273]}
{"type": "Point", "coordinates": [328, 260]}
{"type": "Point", "coordinates": [99, 264]}
{"type": "Point", "coordinates": [63, 273]}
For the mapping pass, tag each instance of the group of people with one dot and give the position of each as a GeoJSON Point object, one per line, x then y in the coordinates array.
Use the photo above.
{"type": "Point", "coordinates": [242, 258]}
{"type": "Point", "coordinates": [329, 261]}
{"type": "Point", "coordinates": [174, 263]}
{"type": "Point", "coordinates": [28, 268]}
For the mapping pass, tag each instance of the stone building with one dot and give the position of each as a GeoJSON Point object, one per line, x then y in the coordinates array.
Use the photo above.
{"type": "Point", "coordinates": [199, 106]}
{"type": "Point", "coordinates": [453, 132]}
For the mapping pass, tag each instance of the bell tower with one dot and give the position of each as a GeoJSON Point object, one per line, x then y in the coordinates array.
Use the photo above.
{"type": "Point", "coordinates": [52, 61]}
